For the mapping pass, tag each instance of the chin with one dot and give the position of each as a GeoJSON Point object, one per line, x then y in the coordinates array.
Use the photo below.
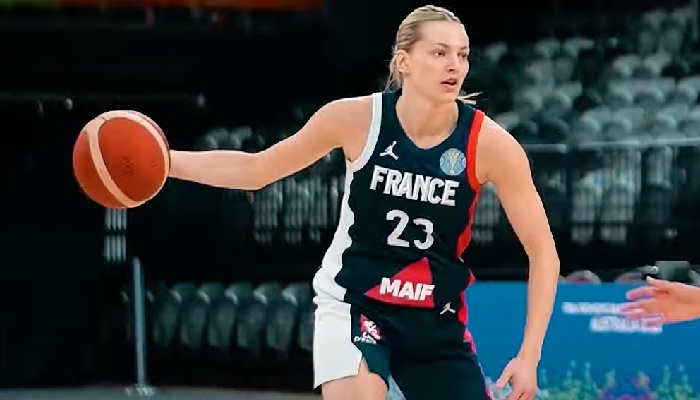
{"type": "Point", "coordinates": [447, 97]}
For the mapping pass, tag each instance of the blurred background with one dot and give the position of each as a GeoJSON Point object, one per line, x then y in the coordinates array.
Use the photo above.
{"type": "Point", "coordinates": [603, 94]}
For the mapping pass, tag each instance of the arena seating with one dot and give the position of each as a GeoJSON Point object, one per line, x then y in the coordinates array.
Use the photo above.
{"type": "Point", "coordinates": [241, 319]}
{"type": "Point", "coordinates": [610, 120]}
{"type": "Point", "coordinates": [612, 126]}
{"type": "Point", "coordinates": [607, 108]}
{"type": "Point", "coordinates": [276, 318]}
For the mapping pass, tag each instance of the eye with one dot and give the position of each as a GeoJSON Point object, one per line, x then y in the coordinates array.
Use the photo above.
{"type": "Point", "coordinates": [463, 56]}
{"type": "Point", "coordinates": [439, 53]}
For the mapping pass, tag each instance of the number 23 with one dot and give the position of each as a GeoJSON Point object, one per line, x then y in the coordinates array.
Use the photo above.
{"type": "Point", "coordinates": [394, 238]}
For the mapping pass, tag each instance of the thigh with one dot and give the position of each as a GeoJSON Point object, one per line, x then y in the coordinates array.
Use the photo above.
{"type": "Point", "coordinates": [346, 345]}
{"type": "Point", "coordinates": [365, 385]}
{"type": "Point", "coordinates": [454, 378]}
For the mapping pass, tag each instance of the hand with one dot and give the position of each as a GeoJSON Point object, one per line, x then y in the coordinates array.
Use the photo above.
{"type": "Point", "coordinates": [522, 375]}
{"type": "Point", "coordinates": [663, 302]}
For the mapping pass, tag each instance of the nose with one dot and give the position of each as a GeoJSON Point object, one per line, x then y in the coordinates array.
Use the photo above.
{"type": "Point", "coordinates": [453, 63]}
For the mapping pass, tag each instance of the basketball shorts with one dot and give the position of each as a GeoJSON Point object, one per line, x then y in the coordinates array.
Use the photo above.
{"type": "Point", "coordinates": [423, 351]}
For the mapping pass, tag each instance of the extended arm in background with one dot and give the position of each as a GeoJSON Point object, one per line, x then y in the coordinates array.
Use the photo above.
{"type": "Point", "coordinates": [503, 162]}
{"type": "Point", "coordinates": [251, 171]}
{"type": "Point", "coordinates": [663, 302]}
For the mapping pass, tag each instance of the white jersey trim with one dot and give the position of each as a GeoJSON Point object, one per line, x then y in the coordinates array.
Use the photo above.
{"type": "Point", "coordinates": [372, 137]}
{"type": "Point", "coordinates": [324, 282]}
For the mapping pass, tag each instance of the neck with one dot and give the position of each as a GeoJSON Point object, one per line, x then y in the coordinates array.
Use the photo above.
{"type": "Point", "coordinates": [421, 117]}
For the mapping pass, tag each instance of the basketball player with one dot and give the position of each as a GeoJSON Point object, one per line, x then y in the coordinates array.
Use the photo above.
{"type": "Point", "coordinates": [390, 291]}
{"type": "Point", "coordinates": [663, 302]}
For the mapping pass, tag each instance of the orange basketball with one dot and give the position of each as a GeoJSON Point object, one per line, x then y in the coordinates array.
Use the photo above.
{"type": "Point", "coordinates": [121, 159]}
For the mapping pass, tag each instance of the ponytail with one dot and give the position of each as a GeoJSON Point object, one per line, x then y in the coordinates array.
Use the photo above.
{"type": "Point", "coordinates": [394, 81]}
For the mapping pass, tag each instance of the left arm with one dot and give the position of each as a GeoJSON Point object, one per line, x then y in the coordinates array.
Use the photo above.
{"type": "Point", "coordinates": [502, 161]}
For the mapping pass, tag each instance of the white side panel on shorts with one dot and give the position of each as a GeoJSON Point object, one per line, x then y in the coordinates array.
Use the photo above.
{"type": "Point", "coordinates": [335, 355]}
{"type": "Point", "coordinates": [324, 281]}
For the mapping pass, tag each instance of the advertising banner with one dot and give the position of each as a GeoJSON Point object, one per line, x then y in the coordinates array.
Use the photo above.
{"type": "Point", "coordinates": [591, 351]}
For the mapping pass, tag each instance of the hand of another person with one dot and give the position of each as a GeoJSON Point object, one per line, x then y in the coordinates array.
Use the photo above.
{"type": "Point", "coordinates": [663, 302]}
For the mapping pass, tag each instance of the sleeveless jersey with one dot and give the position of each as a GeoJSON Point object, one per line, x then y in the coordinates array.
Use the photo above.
{"type": "Point", "coordinates": [405, 216]}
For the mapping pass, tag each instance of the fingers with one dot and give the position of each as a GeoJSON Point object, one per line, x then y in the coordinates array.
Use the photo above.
{"type": "Point", "coordinates": [660, 283]}
{"type": "Point", "coordinates": [642, 292]}
{"type": "Point", "coordinates": [504, 378]}
{"type": "Point", "coordinates": [655, 286]}
{"type": "Point", "coordinates": [654, 321]}
{"type": "Point", "coordinates": [642, 309]}
{"type": "Point", "coordinates": [521, 392]}
{"type": "Point", "coordinates": [515, 395]}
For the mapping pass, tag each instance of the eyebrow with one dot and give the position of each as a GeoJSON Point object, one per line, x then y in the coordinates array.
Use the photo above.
{"type": "Point", "coordinates": [448, 46]}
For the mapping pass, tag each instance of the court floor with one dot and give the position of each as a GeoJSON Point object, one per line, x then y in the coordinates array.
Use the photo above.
{"type": "Point", "coordinates": [170, 393]}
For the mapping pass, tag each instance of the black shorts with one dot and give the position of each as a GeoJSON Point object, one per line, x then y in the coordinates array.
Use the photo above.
{"type": "Point", "coordinates": [425, 351]}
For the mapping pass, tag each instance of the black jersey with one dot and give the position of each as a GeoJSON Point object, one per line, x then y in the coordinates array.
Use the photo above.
{"type": "Point", "coordinates": [406, 215]}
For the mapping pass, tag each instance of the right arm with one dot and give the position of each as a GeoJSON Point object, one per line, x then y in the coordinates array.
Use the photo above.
{"type": "Point", "coordinates": [325, 131]}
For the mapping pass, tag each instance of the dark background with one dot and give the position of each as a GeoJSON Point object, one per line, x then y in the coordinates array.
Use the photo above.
{"type": "Point", "coordinates": [191, 71]}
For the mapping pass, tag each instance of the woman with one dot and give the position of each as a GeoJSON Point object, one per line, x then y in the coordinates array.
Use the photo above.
{"type": "Point", "coordinates": [390, 292]}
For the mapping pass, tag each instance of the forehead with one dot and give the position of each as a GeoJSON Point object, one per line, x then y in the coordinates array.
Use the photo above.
{"type": "Point", "coordinates": [451, 34]}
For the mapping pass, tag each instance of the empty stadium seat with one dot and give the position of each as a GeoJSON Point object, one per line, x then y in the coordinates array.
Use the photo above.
{"type": "Point", "coordinates": [586, 129]}
{"type": "Point", "coordinates": [253, 317]}
{"type": "Point", "coordinates": [527, 103]}
{"type": "Point", "coordinates": [167, 315]}
{"type": "Point", "coordinates": [284, 315]}
{"type": "Point", "coordinates": [689, 125]}
{"type": "Point", "coordinates": [583, 276]}
{"type": "Point", "coordinates": [683, 94]}
{"type": "Point", "coordinates": [225, 316]}
{"type": "Point", "coordinates": [677, 271]}
{"type": "Point", "coordinates": [196, 313]}
{"type": "Point", "coordinates": [527, 132]}
{"type": "Point", "coordinates": [547, 47]}
{"type": "Point", "coordinates": [617, 128]}
{"type": "Point", "coordinates": [650, 98]}
{"type": "Point", "coordinates": [305, 335]}
{"type": "Point", "coordinates": [563, 67]}
{"type": "Point", "coordinates": [630, 277]}
{"type": "Point", "coordinates": [557, 104]}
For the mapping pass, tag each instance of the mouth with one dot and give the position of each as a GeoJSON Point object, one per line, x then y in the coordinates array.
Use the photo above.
{"type": "Point", "coordinates": [451, 84]}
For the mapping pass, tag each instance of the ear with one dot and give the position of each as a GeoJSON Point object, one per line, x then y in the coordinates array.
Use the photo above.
{"type": "Point", "coordinates": [402, 61]}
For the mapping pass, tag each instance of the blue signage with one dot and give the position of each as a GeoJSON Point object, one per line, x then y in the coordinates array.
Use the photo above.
{"type": "Point", "coordinates": [591, 351]}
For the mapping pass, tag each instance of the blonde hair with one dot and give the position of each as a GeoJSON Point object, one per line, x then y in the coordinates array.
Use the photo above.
{"type": "Point", "coordinates": [409, 33]}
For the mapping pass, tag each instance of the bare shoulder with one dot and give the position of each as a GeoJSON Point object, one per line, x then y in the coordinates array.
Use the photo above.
{"type": "Point", "coordinates": [497, 149]}
{"type": "Point", "coordinates": [348, 120]}
{"type": "Point", "coordinates": [494, 138]}
{"type": "Point", "coordinates": [349, 110]}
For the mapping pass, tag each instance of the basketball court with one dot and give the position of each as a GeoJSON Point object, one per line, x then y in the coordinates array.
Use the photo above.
{"type": "Point", "coordinates": [170, 393]}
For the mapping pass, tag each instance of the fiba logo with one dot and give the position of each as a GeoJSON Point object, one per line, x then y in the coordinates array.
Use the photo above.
{"type": "Point", "coordinates": [453, 162]}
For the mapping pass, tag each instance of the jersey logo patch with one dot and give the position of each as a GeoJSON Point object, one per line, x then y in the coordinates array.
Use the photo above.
{"type": "Point", "coordinates": [453, 162]}
{"type": "Point", "coordinates": [390, 151]}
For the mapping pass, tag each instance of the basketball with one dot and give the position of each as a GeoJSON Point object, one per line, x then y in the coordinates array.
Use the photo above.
{"type": "Point", "coordinates": [121, 159]}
